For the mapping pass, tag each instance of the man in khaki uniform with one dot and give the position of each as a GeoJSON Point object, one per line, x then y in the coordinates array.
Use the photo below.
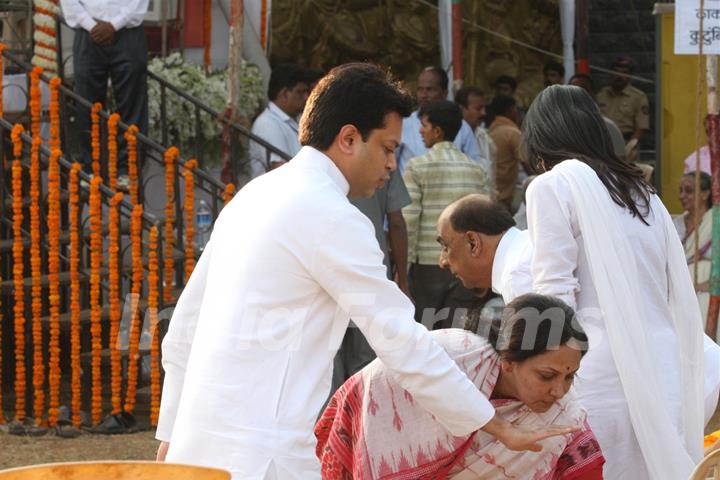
{"type": "Point", "coordinates": [624, 104]}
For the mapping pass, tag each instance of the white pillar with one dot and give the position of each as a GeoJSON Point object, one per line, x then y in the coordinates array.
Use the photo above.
{"type": "Point", "coordinates": [446, 54]}
{"type": "Point", "coordinates": [567, 26]}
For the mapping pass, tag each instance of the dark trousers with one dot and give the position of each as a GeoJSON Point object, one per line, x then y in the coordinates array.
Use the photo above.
{"type": "Point", "coordinates": [441, 301]}
{"type": "Point", "coordinates": [125, 64]}
{"type": "Point", "coordinates": [354, 354]}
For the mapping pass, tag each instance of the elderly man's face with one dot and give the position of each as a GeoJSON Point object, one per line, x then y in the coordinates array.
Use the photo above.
{"type": "Point", "coordinates": [456, 254]}
{"type": "Point", "coordinates": [429, 89]}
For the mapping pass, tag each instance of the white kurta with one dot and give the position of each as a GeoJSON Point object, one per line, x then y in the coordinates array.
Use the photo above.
{"type": "Point", "coordinates": [560, 267]}
{"type": "Point", "coordinates": [248, 356]}
{"type": "Point", "coordinates": [511, 276]}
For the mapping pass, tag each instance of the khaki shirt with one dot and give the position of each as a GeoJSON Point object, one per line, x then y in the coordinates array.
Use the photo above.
{"type": "Point", "coordinates": [628, 109]}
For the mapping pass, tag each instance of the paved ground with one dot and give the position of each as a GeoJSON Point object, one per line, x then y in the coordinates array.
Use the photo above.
{"type": "Point", "coordinates": [18, 451]}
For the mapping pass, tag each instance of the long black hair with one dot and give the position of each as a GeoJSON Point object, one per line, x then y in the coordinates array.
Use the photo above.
{"type": "Point", "coordinates": [532, 324]}
{"type": "Point", "coordinates": [563, 123]}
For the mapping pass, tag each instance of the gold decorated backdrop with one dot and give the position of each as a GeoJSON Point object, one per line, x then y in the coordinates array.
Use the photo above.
{"type": "Point", "coordinates": [403, 35]}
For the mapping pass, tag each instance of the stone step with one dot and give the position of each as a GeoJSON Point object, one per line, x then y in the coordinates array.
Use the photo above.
{"type": "Point", "coordinates": [7, 244]}
{"type": "Point", "coordinates": [64, 318]}
{"type": "Point", "coordinates": [7, 286]}
{"type": "Point", "coordinates": [8, 203]}
{"type": "Point", "coordinates": [106, 352]}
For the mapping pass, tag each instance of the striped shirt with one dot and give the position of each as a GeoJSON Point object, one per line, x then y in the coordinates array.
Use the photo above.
{"type": "Point", "coordinates": [435, 180]}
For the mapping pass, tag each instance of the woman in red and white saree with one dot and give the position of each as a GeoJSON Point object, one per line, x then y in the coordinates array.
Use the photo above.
{"type": "Point", "coordinates": [372, 428]}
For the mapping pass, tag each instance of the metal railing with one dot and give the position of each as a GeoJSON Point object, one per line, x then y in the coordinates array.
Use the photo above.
{"type": "Point", "coordinates": [125, 207]}
{"type": "Point", "coordinates": [152, 150]}
{"type": "Point", "coordinates": [199, 107]}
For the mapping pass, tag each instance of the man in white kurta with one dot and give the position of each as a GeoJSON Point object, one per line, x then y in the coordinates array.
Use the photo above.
{"type": "Point", "coordinates": [248, 356]}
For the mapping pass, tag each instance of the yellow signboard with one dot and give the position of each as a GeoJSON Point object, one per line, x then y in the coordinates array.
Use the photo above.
{"type": "Point", "coordinates": [677, 110]}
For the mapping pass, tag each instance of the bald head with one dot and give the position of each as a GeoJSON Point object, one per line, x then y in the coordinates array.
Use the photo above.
{"type": "Point", "coordinates": [469, 231]}
{"type": "Point", "coordinates": [478, 213]}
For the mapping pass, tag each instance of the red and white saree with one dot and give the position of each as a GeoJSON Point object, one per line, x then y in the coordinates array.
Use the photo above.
{"type": "Point", "coordinates": [372, 429]}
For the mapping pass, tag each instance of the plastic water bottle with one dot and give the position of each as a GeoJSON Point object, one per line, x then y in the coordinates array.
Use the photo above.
{"type": "Point", "coordinates": [203, 224]}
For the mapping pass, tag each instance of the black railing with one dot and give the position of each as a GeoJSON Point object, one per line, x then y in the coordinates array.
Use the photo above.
{"type": "Point", "coordinates": [125, 208]}
{"type": "Point", "coordinates": [199, 107]}
{"type": "Point", "coordinates": [148, 149]}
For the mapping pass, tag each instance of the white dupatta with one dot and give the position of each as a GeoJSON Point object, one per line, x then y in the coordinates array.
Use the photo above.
{"type": "Point", "coordinates": [667, 454]}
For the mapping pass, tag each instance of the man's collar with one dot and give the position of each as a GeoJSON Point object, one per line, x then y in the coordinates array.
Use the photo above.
{"type": "Point", "coordinates": [272, 106]}
{"type": "Point", "coordinates": [444, 145]}
{"type": "Point", "coordinates": [312, 156]}
{"type": "Point", "coordinates": [502, 253]}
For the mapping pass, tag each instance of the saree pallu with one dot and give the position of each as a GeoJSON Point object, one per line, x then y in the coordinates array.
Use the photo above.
{"type": "Point", "coordinates": [372, 429]}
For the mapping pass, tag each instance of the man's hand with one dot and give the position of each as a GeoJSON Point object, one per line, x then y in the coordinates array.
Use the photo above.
{"type": "Point", "coordinates": [521, 438]}
{"type": "Point", "coordinates": [162, 451]}
{"type": "Point", "coordinates": [103, 33]}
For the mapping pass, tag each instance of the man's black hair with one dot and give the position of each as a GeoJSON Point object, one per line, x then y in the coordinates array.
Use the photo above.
{"type": "Point", "coordinates": [443, 114]}
{"type": "Point", "coordinates": [359, 94]}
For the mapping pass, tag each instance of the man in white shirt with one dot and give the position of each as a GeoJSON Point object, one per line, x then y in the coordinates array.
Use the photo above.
{"type": "Point", "coordinates": [248, 355]}
{"type": "Point", "coordinates": [277, 124]}
{"type": "Point", "coordinates": [432, 86]}
{"type": "Point", "coordinates": [109, 43]}
{"type": "Point", "coordinates": [472, 104]}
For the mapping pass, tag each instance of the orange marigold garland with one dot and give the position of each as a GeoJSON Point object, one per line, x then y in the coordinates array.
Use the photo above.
{"type": "Point", "coordinates": [131, 139]}
{"type": "Point", "coordinates": [76, 387]}
{"type": "Point", "coordinates": [112, 149]}
{"type": "Point", "coordinates": [171, 155]}
{"type": "Point", "coordinates": [54, 283]}
{"type": "Point", "coordinates": [189, 210]}
{"type": "Point", "coordinates": [95, 305]}
{"type": "Point", "coordinates": [153, 279]}
{"type": "Point", "coordinates": [95, 137]}
{"type": "Point", "coordinates": [2, 67]}
{"type": "Point", "coordinates": [228, 193]}
{"type": "Point", "coordinates": [18, 274]}
{"type": "Point", "coordinates": [36, 274]}
{"type": "Point", "coordinates": [35, 101]}
{"type": "Point", "coordinates": [136, 290]}
{"type": "Point", "coordinates": [115, 307]}
{"type": "Point", "coordinates": [55, 113]}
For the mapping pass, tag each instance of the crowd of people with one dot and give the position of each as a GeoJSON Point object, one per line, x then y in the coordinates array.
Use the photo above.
{"type": "Point", "coordinates": [382, 232]}
{"type": "Point", "coordinates": [393, 219]}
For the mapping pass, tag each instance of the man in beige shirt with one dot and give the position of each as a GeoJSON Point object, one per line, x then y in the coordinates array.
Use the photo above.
{"type": "Point", "coordinates": [624, 104]}
{"type": "Point", "coordinates": [506, 135]}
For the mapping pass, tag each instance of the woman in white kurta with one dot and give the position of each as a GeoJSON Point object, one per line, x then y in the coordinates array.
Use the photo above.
{"type": "Point", "coordinates": [604, 243]}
